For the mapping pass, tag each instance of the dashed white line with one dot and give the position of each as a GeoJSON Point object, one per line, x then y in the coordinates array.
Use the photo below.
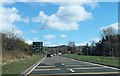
{"type": "Point", "coordinates": [72, 70]}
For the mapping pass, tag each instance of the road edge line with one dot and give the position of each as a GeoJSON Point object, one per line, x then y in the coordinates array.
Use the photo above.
{"type": "Point", "coordinates": [34, 66]}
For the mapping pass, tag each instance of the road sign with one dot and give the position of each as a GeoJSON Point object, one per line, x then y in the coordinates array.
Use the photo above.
{"type": "Point", "coordinates": [37, 46]}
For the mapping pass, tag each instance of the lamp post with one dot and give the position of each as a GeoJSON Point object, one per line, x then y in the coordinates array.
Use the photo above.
{"type": "Point", "coordinates": [42, 28]}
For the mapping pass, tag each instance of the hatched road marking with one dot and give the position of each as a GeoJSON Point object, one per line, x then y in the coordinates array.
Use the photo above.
{"type": "Point", "coordinates": [45, 69]}
{"type": "Point", "coordinates": [53, 67]}
{"type": "Point", "coordinates": [72, 70]}
{"type": "Point", "coordinates": [86, 73]}
{"type": "Point", "coordinates": [45, 66]}
{"type": "Point", "coordinates": [88, 68]}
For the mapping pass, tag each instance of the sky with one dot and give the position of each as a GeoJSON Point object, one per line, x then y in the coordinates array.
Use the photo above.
{"type": "Point", "coordinates": [57, 23]}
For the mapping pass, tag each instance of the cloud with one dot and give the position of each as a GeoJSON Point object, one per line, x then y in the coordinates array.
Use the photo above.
{"type": "Point", "coordinates": [66, 18]}
{"type": "Point", "coordinates": [114, 26]}
{"type": "Point", "coordinates": [41, 18]}
{"type": "Point", "coordinates": [94, 39]}
{"type": "Point", "coordinates": [69, 14]}
{"type": "Point", "coordinates": [84, 43]}
{"type": "Point", "coordinates": [29, 41]}
{"type": "Point", "coordinates": [49, 37]}
{"type": "Point", "coordinates": [63, 36]}
{"type": "Point", "coordinates": [50, 44]}
{"type": "Point", "coordinates": [8, 17]}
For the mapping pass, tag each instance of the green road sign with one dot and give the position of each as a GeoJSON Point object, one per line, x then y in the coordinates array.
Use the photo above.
{"type": "Point", "coordinates": [37, 46]}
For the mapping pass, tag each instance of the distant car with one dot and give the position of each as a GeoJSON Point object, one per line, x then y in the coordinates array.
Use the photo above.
{"type": "Point", "coordinates": [48, 55]}
{"type": "Point", "coordinates": [60, 53]}
{"type": "Point", "coordinates": [51, 54]}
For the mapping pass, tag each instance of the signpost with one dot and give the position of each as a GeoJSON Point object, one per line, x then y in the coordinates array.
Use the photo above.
{"type": "Point", "coordinates": [37, 46]}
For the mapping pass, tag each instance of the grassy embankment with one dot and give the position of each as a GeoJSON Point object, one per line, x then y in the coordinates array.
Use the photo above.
{"type": "Point", "coordinates": [19, 66]}
{"type": "Point", "coordinates": [112, 61]}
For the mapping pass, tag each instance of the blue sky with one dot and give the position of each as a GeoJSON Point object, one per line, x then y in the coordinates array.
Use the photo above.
{"type": "Point", "coordinates": [61, 22]}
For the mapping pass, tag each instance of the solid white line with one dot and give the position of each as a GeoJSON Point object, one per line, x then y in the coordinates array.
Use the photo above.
{"type": "Point", "coordinates": [35, 66]}
{"type": "Point", "coordinates": [72, 70]}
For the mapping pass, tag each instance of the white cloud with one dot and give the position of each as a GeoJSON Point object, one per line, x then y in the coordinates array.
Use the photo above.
{"type": "Point", "coordinates": [49, 37]}
{"type": "Point", "coordinates": [77, 44]}
{"type": "Point", "coordinates": [29, 41]}
{"type": "Point", "coordinates": [73, 13]}
{"type": "Point", "coordinates": [41, 18]}
{"type": "Point", "coordinates": [8, 16]}
{"type": "Point", "coordinates": [63, 36]}
{"type": "Point", "coordinates": [94, 39]}
{"type": "Point", "coordinates": [18, 32]}
{"type": "Point", "coordinates": [114, 26]}
{"type": "Point", "coordinates": [66, 17]}
{"type": "Point", "coordinates": [84, 43]}
{"type": "Point", "coordinates": [50, 44]}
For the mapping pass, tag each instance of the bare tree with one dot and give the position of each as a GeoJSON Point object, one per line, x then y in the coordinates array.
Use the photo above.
{"type": "Point", "coordinates": [107, 35]}
{"type": "Point", "coordinates": [9, 39]}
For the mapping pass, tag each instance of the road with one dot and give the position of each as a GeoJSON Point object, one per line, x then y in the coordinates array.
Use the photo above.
{"type": "Point", "coordinates": [61, 66]}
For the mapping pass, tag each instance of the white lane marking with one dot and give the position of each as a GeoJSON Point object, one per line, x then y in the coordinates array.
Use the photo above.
{"type": "Point", "coordinates": [79, 65]}
{"type": "Point", "coordinates": [44, 69]}
{"type": "Point", "coordinates": [86, 73]}
{"type": "Point", "coordinates": [94, 64]}
{"type": "Point", "coordinates": [89, 68]}
{"type": "Point", "coordinates": [72, 70]}
{"type": "Point", "coordinates": [45, 66]}
{"type": "Point", "coordinates": [102, 65]}
{"type": "Point", "coordinates": [35, 66]}
{"type": "Point", "coordinates": [62, 64]}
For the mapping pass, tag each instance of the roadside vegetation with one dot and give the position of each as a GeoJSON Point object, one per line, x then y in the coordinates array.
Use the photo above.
{"type": "Point", "coordinates": [17, 55]}
{"type": "Point", "coordinates": [15, 68]}
{"type": "Point", "coordinates": [107, 60]}
{"type": "Point", "coordinates": [14, 47]}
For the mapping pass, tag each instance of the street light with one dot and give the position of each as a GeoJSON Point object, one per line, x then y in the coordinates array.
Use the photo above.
{"type": "Point", "coordinates": [42, 28]}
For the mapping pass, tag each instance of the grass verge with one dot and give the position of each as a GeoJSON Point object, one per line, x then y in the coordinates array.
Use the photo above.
{"type": "Point", "coordinates": [111, 61]}
{"type": "Point", "coordinates": [19, 66]}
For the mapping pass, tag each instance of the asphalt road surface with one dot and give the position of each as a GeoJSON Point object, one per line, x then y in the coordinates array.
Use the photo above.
{"type": "Point", "coordinates": [60, 66]}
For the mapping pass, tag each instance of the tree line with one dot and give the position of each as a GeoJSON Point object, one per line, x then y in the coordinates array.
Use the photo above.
{"type": "Point", "coordinates": [108, 45]}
